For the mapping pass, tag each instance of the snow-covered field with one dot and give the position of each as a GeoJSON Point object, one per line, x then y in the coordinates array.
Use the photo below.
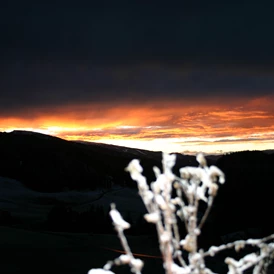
{"type": "Point", "coordinates": [26, 251]}
{"type": "Point", "coordinates": [34, 206]}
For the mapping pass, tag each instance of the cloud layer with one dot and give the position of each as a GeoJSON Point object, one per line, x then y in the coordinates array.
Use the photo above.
{"type": "Point", "coordinates": [195, 75]}
{"type": "Point", "coordinates": [30, 86]}
{"type": "Point", "coordinates": [181, 125]}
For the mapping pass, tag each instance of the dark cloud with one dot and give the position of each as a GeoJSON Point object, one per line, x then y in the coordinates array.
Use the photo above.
{"type": "Point", "coordinates": [131, 52]}
{"type": "Point", "coordinates": [133, 31]}
{"type": "Point", "coordinates": [250, 139]}
{"type": "Point", "coordinates": [135, 132]}
{"type": "Point", "coordinates": [46, 85]}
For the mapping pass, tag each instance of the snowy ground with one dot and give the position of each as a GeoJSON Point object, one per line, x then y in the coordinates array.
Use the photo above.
{"type": "Point", "coordinates": [27, 251]}
{"type": "Point", "coordinates": [34, 206]}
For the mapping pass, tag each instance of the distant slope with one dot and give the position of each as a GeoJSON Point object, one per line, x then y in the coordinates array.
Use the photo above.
{"type": "Point", "coordinates": [48, 164]}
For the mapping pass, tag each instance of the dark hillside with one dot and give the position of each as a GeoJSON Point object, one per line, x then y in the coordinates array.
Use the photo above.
{"type": "Point", "coordinates": [49, 164]}
{"type": "Point", "coordinates": [247, 196]}
{"type": "Point", "coordinates": [45, 163]}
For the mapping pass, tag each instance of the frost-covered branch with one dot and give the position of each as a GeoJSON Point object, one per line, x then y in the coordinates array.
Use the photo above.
{"type": "Point", "coordinates": [120, 225]}
{"type": "Point", "coordinates": [195, 185]}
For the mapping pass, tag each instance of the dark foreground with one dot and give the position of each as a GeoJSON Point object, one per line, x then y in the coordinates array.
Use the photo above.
{"type": "Point", "coordinates": [32, 252]}
{"type": "Point", "coordinates": [24, 251]}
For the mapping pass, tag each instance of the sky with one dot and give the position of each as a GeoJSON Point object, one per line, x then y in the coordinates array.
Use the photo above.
{"type": "Point", "coordinates": [175, 76]}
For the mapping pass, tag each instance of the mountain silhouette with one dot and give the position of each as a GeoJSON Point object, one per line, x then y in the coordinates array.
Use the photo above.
{"type": "Point", "coordinates": [50, 164]}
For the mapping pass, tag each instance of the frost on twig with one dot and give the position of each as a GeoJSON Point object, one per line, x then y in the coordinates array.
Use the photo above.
{"type": "Point", "coordinates": [120, 225]}
{"type": "Point", "coordinates": [194, 185]}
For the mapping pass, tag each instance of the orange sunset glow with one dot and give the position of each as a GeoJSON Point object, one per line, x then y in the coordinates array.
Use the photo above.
{"type": "Point", "coordinates": [209, 125]}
